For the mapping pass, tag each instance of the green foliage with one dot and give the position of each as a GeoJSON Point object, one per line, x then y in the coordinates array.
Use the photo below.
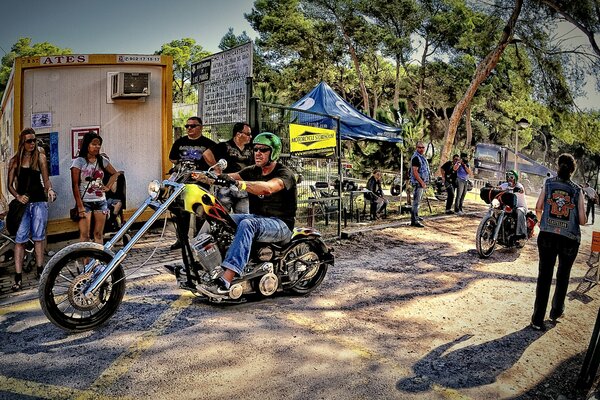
{"type": "Point", "coordinates": [24, 48]}
{"type": "Point", "coordinates": [185, 52]}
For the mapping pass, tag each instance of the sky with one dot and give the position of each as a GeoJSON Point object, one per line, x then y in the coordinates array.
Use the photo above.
{"type": "Point", "coordinates": [140, 26]}
{"type": "Point", "coordinates": [121, 26]}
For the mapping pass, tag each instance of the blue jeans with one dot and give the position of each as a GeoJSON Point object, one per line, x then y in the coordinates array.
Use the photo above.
{"type": "Point", "coordinates": [417, 194]}
{"type": "Point", "coordinates": [34, 221]}
{"type": "Point", "coordinates": [252, 228]}
{"type": "Point", "coordinates": [461, 192]}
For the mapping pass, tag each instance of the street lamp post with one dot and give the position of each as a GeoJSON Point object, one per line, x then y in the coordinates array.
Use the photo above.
{"type": "Point", "coordinates": [523, 123]}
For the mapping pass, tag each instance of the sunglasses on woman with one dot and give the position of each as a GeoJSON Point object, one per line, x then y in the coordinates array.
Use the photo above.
{"type": "Point", "coordinates": [29, 141]}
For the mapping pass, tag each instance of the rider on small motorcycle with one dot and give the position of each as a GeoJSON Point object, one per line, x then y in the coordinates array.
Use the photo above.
{"type": "Point", "coordinates": [512, 182]}
{"type": "Point", "coordinates": [273, 202]}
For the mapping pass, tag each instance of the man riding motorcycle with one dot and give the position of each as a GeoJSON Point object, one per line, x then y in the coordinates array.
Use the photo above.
{"type": "Point", "coordinates": [273, 202]}
{"type": "Point", "coordinates": [512, 184]}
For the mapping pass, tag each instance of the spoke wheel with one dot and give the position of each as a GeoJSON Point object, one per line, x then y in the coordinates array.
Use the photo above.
{"type": "Point", "coordinates": [64, 281]}
{"type": "Point", "coordinates": [484, 240]}
{"type": "Point", "coordinates": [305, 261]}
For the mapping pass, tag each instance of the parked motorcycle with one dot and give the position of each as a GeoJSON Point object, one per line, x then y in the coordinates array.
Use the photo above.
{"type": "Point", "coordinates": [499, 225]}
{"type": "Point", "coordinates": [7, 251]}
{"type": "Point", "coordinates": [83, 284]}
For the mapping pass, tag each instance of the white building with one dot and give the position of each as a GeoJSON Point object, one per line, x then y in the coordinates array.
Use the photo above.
{"type": "Point", "coordinates": [126, 98]}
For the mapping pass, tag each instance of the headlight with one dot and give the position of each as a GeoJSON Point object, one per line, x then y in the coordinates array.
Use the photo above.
{"type": "Point", "coordinates": [496, 203]}
{"type": "Point", "coordinates": [154, 189]}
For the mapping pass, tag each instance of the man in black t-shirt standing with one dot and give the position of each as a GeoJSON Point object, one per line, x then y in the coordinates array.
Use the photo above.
{"type": "Point", "coordinates": [190, 147]}
{"type": "Point", "coordinates": [237, 151]}
{"type": "Point", "coordinates": [271, 188]}
{"type": "Point", "coordinates": [449, 180]}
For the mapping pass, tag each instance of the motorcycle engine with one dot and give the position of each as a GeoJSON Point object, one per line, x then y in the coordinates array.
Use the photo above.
{"type": "Point", "coordinates": [206, 251]}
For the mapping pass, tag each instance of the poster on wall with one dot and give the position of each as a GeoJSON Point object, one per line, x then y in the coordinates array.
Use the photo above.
{"type": "Point", "coordinates": [49, 142]}
{"type": "Point", "coordinates": [41, 120]}
{"type": "Point", "coordinates": [77, 137]}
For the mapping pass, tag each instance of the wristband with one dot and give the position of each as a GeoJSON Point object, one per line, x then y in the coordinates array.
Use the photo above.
{"type": "Point", "coordinates": [242, 185]}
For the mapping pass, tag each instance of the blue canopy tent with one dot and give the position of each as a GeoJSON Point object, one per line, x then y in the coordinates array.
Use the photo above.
{"type": "Point", "coordinates": [353, 124]}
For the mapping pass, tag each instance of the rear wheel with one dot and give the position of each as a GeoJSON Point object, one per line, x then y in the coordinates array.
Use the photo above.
{"type": "Point", "coordinates": [395, 190]}
{"type": "Point", "coordinates": [484, 239]}
{"type": "Point", "coordinates": [64, 280]}
{"type": "Point", "coordinates": [306, 266]}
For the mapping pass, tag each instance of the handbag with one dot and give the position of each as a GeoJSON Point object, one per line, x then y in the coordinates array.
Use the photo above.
{"type": "Point", "coordinates": [74, 214]}
{"type": "Point", "coordinates": [16, 209]}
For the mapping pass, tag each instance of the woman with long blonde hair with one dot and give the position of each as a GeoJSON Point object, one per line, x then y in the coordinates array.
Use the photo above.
{"type": "Point", "coordinates": [27, 171]}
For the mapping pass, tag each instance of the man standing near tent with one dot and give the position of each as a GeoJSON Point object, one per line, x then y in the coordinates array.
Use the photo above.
{"type": "Point", "coordinates": [419, 177]}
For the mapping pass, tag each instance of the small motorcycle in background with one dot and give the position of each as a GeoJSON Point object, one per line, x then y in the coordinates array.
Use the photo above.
{"type": "Point", "coordinates": [499, 225]}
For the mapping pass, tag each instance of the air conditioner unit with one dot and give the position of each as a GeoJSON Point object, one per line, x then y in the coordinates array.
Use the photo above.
{"type": "Point", "coordinates": [130, 85]}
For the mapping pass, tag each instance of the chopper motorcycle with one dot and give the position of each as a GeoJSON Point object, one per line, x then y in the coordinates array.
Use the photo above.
{"type": "Point", "coordinates": [499, 225]}
{"type": "Point", "coordinates": [83, 285]}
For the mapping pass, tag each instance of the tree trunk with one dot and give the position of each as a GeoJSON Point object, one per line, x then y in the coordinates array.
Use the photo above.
{"type": "Point", "coordinates": [361, 79]}
{"type": "Point", "coordinates": [482, 71]}
{"type": "Point", "coordinates": [469, 128]}
{"type": "Point", "coordinates": [397, 83]}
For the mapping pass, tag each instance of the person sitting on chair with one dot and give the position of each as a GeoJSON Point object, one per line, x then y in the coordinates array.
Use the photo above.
{"type": "Point", "coordinates": [378, 202]}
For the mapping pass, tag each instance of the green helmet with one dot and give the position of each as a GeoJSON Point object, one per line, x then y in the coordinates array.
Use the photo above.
{"type": "Point", "coordinates": [271, 140]}
{"type": "Point", "coordinates": [512, 174]}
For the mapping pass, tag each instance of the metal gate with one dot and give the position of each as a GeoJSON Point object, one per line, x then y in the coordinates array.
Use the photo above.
{"type": "Point", "coordinates": [318, 174]}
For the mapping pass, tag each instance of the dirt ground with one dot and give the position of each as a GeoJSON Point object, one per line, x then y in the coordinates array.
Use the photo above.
{"type": "Point", "coordinates": [462, 322]}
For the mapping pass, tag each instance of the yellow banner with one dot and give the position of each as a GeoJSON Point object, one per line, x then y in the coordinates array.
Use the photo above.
{"type": "Point", "coordinates": [307, 138]}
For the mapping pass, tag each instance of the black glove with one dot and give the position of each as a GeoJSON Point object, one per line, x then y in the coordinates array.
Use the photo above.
{"type": "Point", "coordinates": [225, 180]}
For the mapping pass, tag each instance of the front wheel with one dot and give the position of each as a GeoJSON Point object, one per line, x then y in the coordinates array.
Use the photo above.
{"type": "Point", "coordinates": [484, 239]}
{"type": "Point", "coordinates": [64, 280]}
{"type": "Point", "coordinates": [395, 190]}
{"type": "Point", "coordinates": [306, 264]}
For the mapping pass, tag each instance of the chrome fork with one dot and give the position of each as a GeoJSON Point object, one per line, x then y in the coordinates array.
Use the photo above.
{"type": "Point", "coordinates": [101, 275]}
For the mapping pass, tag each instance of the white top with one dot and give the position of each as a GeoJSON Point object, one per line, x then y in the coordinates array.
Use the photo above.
{"type": "Point", "coordinates": [521, 202]}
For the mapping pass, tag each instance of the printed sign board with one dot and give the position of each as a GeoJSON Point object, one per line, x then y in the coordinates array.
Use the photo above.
{"type": "Point", "coordinates": [307, 138]}
{"type": "Point", "coordinates": [77, 137]}
{"type": "Point", "coordinates": [223, 95]}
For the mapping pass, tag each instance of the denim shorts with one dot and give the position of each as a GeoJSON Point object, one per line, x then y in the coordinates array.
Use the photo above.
{"type": "Point", "coordinates": [34, 221]}
{"type": "Point", "coordinates": [101, 205]}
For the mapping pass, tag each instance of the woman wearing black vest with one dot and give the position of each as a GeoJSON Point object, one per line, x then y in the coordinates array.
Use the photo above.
{"type": "Point", "coordinates": [560, 211]}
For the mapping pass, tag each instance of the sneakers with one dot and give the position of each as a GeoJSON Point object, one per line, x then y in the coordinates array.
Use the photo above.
{"type": "Point", "coordinates": [539, 328]}
{"type": "Point", "coordinates": [216, 287]}
{"type": "Point", "coordinates": [460, 213]}
{"type": "Point", "coordinates": [417, 224]}
{"type": "Point", "coordinates": [554, 319]}
{"type": "Point", "coordinates": [449, 212]}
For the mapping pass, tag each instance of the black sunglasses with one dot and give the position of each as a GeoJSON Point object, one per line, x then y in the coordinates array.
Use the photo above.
{"type": "Point", "coordinates": [29, 141]}
{"type": "Point", "coordinates": [261, 149]}
{"type": "Point", "coordinates": [191, 126]}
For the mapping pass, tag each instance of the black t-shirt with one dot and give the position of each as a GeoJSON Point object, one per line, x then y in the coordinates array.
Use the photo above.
{"type": "Point", "coordinates": [236, 159]}
{"type": "Point", "coordinates": [449, 172]}
{"type": "Point", "coordinates": [185, 148]}
{"type": "Point", "coordinates": [282, 204]}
